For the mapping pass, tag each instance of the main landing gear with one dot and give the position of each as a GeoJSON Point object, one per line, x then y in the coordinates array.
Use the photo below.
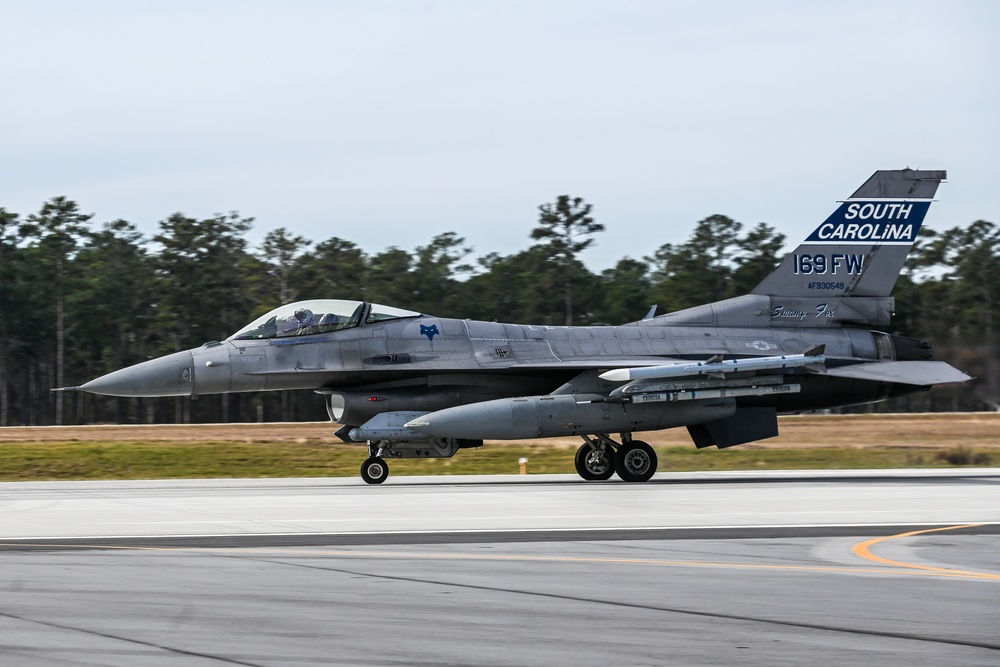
{"type": "Point", "coordinates": [600, 457]}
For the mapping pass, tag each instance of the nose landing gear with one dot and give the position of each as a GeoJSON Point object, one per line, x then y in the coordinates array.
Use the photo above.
{"type": "Point", "coordinates": [374, 470]}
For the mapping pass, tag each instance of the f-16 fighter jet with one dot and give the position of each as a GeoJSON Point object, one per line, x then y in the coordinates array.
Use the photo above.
{"type": "Point", "coordinates": [411, 385]}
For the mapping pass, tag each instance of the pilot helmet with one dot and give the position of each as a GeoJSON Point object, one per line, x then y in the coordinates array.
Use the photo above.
{"type": "Point", "coordinates": [303, 315]}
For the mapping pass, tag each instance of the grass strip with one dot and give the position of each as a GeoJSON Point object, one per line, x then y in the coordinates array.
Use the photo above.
{"type": "Point", "coordinates": [93, 460]}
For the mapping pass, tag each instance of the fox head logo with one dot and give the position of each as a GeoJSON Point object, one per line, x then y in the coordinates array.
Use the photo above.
{"type": "Point", "coordinates": [430, 331]}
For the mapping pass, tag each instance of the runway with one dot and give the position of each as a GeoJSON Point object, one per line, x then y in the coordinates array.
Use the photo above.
{"type": "Point", "coordinates": [820, 568]}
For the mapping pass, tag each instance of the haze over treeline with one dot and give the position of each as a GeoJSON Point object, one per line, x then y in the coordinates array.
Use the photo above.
{"type": "Point", "coordinates": [80, 298]}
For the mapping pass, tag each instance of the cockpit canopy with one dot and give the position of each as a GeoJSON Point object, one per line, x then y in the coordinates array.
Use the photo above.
{"type": "Point", "coordinates": [317, 316]}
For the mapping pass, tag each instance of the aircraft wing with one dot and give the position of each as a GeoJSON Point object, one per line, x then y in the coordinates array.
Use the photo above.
{"type": "Point", "coordinates": [919, 373]}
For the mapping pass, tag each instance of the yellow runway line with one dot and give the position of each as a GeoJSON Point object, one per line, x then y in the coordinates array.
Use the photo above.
{"type": "Point", "coordinates": [863, 550]}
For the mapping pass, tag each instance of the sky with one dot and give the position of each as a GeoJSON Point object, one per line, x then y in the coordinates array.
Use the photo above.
{"type": "Point", "coordinates": [386, 123]}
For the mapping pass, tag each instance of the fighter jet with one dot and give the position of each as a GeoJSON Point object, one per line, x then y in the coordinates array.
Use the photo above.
{"type": "Point", "coordinates": [811, 336]}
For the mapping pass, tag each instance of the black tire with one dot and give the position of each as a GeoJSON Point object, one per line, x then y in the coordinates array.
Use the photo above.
{"type": "Point", "coordinates": [635, 462]}
{"type": "Point", "coordinates": [595, 464]}
{"type": "Point", "coordinates": [374, 470]}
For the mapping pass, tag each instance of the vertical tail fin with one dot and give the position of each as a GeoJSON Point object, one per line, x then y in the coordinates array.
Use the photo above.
{"type": "Point", "coordinates": [844, 272]}
{"type": "Point", "coordinates": [860, 249]}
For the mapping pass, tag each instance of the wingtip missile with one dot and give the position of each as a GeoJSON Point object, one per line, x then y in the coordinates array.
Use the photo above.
{"type": "Point", "coordinates": [715, 367]}
{"type": "Point", "coordinates": [617, 375]}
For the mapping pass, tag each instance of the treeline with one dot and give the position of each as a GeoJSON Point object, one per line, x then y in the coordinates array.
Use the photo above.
{"type": "Point", "coordinates": [78, 299]}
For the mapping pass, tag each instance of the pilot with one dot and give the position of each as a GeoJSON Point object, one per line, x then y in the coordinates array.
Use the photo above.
{"type": "Point", "coordinates": [304, 318]}
{"type": "Point", "coordinates": [297, 323]}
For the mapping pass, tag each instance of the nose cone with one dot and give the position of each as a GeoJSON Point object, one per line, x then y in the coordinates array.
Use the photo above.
{"type": "Point", "coordinates": [172, 375]}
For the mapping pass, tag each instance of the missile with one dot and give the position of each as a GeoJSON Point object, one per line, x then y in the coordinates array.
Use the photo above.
{"type": "Point", "coordinates": [715, 367]}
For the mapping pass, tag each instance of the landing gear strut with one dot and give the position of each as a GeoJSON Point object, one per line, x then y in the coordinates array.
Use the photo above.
{"type": "Point", "coordinates": [600, 457]}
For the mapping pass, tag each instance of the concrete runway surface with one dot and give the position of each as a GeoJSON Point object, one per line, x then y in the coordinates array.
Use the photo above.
{"type": "Point", "coordinates": [794, 568]}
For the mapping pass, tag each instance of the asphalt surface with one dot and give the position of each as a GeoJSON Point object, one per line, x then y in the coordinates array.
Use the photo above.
{"type": "Point", "coordinates": [882, 567]}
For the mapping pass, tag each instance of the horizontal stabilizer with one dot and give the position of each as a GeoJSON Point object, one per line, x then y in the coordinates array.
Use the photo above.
{"type": "Point", "coordinates": [919, 373]}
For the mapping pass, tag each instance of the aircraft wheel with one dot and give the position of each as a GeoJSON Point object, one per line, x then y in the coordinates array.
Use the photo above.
{"type": "Point", "coordinates": [595, 464]}
{"type": "Point", "coordinates": [635, 461]}
{"type": "Point", "coordinates": [374, 470]}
